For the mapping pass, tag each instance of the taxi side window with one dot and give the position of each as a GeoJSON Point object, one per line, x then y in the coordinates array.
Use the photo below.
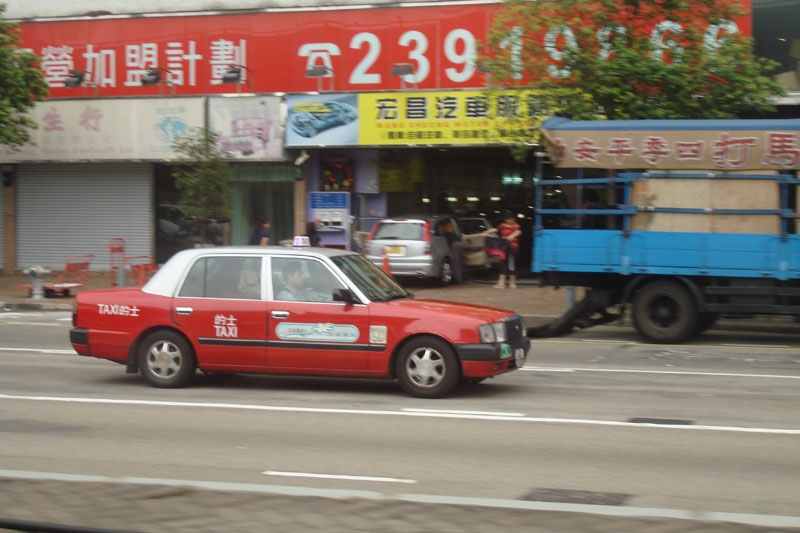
{"type": "Point", "coordinates": [195, 282]}
{"type": "Point", "coordinates": [302, 280]}
{"type": "Point", "coordinates": [224, 277]}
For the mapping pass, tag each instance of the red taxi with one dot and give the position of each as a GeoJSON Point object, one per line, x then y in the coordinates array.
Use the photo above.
{"type": "Point", "coordinates": [284, 310]}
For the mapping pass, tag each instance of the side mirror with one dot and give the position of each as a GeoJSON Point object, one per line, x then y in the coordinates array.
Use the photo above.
{"type": "Point", "coordinates": [343, 295]}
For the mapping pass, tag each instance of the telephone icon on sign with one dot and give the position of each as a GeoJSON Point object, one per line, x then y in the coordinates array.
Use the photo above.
{"type": "Point", "coordinates": [319, 51]}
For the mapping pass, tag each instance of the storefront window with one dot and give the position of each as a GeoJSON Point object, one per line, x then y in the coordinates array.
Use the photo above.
{"type": "Point", "coordinates": [776, 31]}
{"type": "Point", "coordinates": [336, 174]}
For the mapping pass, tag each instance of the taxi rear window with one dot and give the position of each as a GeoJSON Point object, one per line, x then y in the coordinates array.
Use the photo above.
{"type": "Point", "coordinates": [223, 277]}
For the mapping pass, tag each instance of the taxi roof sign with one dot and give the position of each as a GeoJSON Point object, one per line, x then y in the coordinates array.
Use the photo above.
{"type": "Point", "coordinates": [301, 240]}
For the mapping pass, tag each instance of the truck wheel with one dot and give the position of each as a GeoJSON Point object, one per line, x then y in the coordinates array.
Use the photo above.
{"type": "Point", "coordinates": [166, 360]}
{"type": "Point", "coordinates": [664, 313]}
{"type": "Point", "coordinates": [427, 367]}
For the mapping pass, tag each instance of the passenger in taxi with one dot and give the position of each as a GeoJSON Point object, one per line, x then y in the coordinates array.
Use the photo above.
{"type": "Point", "coordinates": [293, 278]}
{"type": "Point", "coordinates": [250, 282]}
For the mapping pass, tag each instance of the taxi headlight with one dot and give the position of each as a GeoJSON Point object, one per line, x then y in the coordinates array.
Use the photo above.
{"type": "Point", "coordinates": [492, 333]}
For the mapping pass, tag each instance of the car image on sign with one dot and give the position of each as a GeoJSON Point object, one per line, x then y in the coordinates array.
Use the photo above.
{"type": "Point", "coordinates": [315, 117]}
{"type": "Point", "coordinates": [286, 310]}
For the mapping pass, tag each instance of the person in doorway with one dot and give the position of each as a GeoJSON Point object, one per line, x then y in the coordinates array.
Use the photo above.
{"type": "Point", "coordinates": [312, 234]}
{"type": "Point", "coordinates": [262, 234]}
{"type": "Point", "coordinates": [509, 230]}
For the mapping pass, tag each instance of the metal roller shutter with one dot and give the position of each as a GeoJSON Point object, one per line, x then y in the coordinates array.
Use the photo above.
{"type": "Point", "coordinates": [70, 209]}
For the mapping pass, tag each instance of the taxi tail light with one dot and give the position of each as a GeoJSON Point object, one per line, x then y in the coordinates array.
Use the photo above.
{"type": "Point", "coordinates": [426, 235]}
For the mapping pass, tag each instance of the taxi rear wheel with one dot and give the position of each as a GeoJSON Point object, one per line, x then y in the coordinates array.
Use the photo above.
{"type": "Point", "coordinates": [166, 360]}
{"type": "Point", "coordinates": [427, 367]}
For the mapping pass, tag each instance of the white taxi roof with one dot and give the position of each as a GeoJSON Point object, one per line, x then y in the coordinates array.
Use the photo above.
{"type": "Point", "coordinates": [167, 277]}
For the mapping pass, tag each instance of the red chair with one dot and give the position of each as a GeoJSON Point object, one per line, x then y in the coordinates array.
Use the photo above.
{"type": "Point", "coordinates": [76, 270]}
{"type": "Point", "coordinates": [142, 267]}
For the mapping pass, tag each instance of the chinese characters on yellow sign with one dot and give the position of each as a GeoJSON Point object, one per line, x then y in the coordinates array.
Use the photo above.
{"type": "Point", "coordinates": [451, 117]}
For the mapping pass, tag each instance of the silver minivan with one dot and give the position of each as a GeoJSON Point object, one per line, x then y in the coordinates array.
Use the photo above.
{"type": "Point", "coordinates": [437, 246]}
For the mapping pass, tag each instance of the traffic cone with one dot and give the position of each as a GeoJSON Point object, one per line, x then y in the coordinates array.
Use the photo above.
{"type": "Point", "coordinates": [385, 264]}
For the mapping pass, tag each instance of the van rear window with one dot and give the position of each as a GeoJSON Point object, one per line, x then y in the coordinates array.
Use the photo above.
{"type": "Point", "coordinates": [403, 231]}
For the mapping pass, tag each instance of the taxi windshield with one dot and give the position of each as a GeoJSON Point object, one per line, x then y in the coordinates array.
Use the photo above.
{"type": "Point", "coordinates": [371, 280]}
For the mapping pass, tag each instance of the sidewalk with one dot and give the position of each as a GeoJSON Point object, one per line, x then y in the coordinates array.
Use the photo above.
{"type": "Point", "coordinates": [124, 507]}
{"type": "Point", "coordinates": [537, 305]}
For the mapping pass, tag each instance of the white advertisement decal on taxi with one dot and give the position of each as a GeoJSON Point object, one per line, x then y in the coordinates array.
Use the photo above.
{"type": "Point", "coordinates": [317, 332]}
{"type": "Point", "coordinates": [226, 326]}
{"type": "Point", "coordinates": [116, 309]}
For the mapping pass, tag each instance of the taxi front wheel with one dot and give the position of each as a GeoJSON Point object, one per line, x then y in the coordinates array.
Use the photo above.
{"type": "Point", "coordinates": [166, 360]}
{"type": "Point", "coordinates": [427, 367]}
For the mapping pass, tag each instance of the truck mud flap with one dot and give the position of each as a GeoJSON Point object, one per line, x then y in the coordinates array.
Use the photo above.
{"type": "Point", "coordinates": [590, 311]}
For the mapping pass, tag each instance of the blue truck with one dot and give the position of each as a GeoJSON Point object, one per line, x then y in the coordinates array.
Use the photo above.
{"type": "Point", "coordinates": [677, 221]}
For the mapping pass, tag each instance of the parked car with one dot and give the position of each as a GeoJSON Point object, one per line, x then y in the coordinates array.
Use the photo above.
{"type": "Point", "coordinates": [438, 246]}
{"type": "Point", "coordinates": [322, 117]}
{"type": "Point", "coordinates": [287, 310]}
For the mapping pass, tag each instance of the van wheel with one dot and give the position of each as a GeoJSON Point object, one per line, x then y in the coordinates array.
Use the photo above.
{"type": "Point", "coordinates": [664, 312]}
{"type": "Point", "coordinates": [427, 367]}
{"type": "Point", "coordinates": [166, 360]}
{"type": "Point", "coordinates": [445, 272]}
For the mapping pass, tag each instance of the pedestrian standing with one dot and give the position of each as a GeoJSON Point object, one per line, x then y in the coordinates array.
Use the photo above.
{"type": "Point", "coordinates": [311, 232]}
{"type": "Point", "coordinates": [262, 234]}
{"type": "Point", "coordinates": [509, 230]}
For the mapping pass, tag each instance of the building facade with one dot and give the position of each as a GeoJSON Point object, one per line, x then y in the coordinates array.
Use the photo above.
{"type": "Point", "coordinates": [325, 119]}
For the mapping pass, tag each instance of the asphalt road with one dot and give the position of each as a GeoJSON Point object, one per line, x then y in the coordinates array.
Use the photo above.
{"type": "Point", "coordinates": [596, 418]}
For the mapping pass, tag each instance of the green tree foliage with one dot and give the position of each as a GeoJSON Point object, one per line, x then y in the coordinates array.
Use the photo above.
{"type": "Point", "coordinates": [21, 85]}
{"type": "Point", "coordinates": [202, 175]}
{"type": "Point", "coordinates": [631, 59]}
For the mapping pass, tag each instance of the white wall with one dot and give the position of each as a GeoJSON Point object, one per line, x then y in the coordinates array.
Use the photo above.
{"type": "Point", "coordinates": [27, 9]}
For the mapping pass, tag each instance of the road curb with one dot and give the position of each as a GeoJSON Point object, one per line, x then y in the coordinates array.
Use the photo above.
{"type": "Point", "coordinates": [35, 306]}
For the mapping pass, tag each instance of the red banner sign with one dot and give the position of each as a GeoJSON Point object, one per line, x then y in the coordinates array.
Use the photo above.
{"type": "Point", "coordinates": [353, 50]}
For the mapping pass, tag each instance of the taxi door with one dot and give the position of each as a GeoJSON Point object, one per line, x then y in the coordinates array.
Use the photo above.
{"type": "Point", "coordinates": [308, 331]}
{"type": "Point", "coordinates": [220, 307]}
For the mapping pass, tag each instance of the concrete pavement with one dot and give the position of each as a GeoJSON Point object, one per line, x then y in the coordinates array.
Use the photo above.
{"type": "Point", "coordinates": [130, 504]}
{"type": "Point", "coordinates": [41, 503]}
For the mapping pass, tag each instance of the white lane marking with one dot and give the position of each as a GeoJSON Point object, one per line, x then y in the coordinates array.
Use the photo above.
{"type": "Point", "coordinates": [755, 345]}
{"type": "Point", "coordinates": [37, 324]}
{"type": "Point", "coordinates": [546, 369]}
{"type": "Point", "coordinates": [339, 476]}
{"type": "Point", "coordinates": [763, 520]}
{"type": "Point", "coordinates": [610, 341]}
{"type": "Point", "coordinates": [35, 350]}
{"type": "Point", "coordinates": [676, 372]}
{"type": "Point", "coordinates": [635, 343]}
{"type": "Point", "coordinates": [455, 411]}
{"type": "Point", "coordinates": [374, 412]}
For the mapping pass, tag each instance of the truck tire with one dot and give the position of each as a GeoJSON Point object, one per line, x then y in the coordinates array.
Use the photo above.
{"type": "Point", "coordinates": [664, 312]}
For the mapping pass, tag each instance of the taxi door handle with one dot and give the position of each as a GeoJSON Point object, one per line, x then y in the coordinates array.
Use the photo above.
{"type": "Point", "coordinates": [184, 310]}
{"type": "Point", "coordinates": [280, 314]}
